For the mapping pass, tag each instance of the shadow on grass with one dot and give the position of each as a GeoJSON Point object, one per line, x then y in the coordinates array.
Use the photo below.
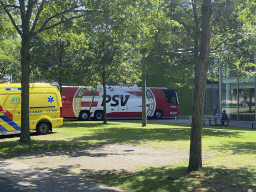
{"type": "Point", "coordinates": [64, 150]}
{"type": "Point", "coordinates": [85, 124]}
{"type": "Point", "coordinates": [229, 128]}
{"type": "Point", "coordinates": [238, 147]}
{"type": "Point", "coordinates": [11, 149]}
{"type": "Point", "coordinates": [113, 132]}
{"type": "Point", "coordinates": [19, 177]}
{"type": "Point", "coordinates": [138, 135]}
{"type": "Point", "coordinates": [177, 179]}
{"type": "Point", "coordinates": [33, 134]}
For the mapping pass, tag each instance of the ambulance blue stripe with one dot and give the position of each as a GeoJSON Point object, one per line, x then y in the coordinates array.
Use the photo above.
{"type": "Point", "coordinates": [10, 122]}
{"type": "Point", "coordinates": [2, 128]}
{"type": "Point", "coordinates": [13, 89]}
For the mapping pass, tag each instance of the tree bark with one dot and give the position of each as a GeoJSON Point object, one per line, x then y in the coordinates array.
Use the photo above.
{"type": "Point", "coordinates": [104, 96]}
{"type": "Point", "coordinates": [195, 159]}
{"type": "Point", "coordinates": [25, 69]}
{"type": "Point", "coordinates": [197, 31]}
{"type": "Point", "coordinates": [60, 67]}
{"type": "Point", "coordinates": [144, 109]}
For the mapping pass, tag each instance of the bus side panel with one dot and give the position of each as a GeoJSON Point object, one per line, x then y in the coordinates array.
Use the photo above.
{"type": "Point", "coordinates": [68, 94]}
{"type": "Point", "coordinates": [115, 102]}
{"type": "Point", "coordinates": [172, 98]}
{"type": "Point", "coordinates": [169, 109]}
{"type": "Point", "coordinates": [95, 102]}
{"type": "Point", "coordinates": [134, 102]}
{"type": "Point", "coordinates": [123, 102]}
{"type": "Point", "coordinates": [77, 99]}
{"type": "Point", "coordinates": [112, 102]}
{"type": "Point", "coordinates": [89, 101]}
{"type": "Point", "coordinates": [134, 105]}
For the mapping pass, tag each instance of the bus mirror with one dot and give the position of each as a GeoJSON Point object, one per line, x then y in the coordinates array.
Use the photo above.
{"type": "Point", "coordinates": [178, 91]}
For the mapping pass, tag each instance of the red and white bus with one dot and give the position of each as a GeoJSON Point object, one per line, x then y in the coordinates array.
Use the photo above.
{"type": "Point", "coordinates": [85, 103]}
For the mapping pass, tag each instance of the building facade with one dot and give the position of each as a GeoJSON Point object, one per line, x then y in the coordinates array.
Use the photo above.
{"type": "Point", "coordinates": [237, 97]}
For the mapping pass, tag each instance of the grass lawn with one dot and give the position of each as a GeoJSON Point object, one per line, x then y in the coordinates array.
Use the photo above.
{"type": "Point", "coordinates": [232, 150]}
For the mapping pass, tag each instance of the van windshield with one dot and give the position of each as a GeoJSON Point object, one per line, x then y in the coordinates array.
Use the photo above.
{"type": "Point", "coordinates": [171, 97]}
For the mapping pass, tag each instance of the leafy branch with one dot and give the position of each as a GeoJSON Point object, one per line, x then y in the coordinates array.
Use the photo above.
{"type": "Point", "coordinates": [10, 16]}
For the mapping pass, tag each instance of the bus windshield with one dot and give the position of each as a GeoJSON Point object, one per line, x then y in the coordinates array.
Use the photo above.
{"type": "Point", "coordinates": [171, 96]}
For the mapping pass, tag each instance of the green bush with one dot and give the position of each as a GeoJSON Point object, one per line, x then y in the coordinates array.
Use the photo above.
{"type": "Point", "coordinates": [243, 116]}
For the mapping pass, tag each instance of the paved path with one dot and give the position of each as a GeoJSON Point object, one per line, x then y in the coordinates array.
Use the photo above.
{"type": "Point", "coordinates": [245, 124]}
{"type": "Point", "coordinates": [17, 177]}
{"type": "Point", "coordinates": [186, 120]}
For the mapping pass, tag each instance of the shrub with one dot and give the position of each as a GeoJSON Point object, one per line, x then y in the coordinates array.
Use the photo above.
{"type": "Point", "coordinates": [243, 116]}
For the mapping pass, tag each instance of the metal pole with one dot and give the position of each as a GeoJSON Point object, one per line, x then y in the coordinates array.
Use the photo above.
{"type": "Point", "coordinates": [220, 81]}
{"type": "Point", "coordinates": [144, 112]}
{"type": "Point", "coordinates": [205, 106]}
{"type": "Point", "coordinates": [237, 99]}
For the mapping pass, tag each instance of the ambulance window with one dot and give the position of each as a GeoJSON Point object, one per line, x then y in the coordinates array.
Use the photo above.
{"type": "Point", "coordinates": [171, 96]}
{"type": "Point", "coordinates": [56, 84]}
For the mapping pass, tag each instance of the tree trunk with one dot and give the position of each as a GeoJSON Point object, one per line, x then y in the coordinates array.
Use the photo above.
{"type": "Point", "coordinates": [197, 31]}
{"type": "Point", "coordinates": [60, 68]}
{"type": "Point", "coordinates": [25, 69]}
{"type": "Point", "coordinates": [144, 109]}
{"type": "Point", "coordinates": [104, 96]}
{"type": "Point", "coordinates": [195, 159]}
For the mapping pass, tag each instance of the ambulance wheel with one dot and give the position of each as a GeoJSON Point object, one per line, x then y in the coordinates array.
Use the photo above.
{"type": "Point", "coordinates": [43, 128]}
{"type": "Point", "coordinates": [98, 116]}
{"type": "Point", "coordinates": [84, 116]}
{"type": "Point", "coordinates": [158, 114]}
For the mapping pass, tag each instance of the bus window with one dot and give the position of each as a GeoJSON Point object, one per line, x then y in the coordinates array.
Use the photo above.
{"type": "Point", "coordinates": [171, 96]}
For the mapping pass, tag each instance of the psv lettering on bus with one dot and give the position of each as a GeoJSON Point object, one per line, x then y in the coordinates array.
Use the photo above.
{"type": "Point", "coordinates": [85, 103]}
{"type": "Point", "coordinates": [115, 100]}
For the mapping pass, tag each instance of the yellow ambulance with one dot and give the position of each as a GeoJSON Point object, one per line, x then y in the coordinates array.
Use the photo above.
{"type": "Point", "coordinates": [44, 103]}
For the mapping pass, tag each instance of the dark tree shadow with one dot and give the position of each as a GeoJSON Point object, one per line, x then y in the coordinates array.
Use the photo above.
{"type": "Point", "coordinates": [137, 135]}
{"type": "Point", "coordinates": [130, 134]}
{"type": "Point", "coordinates": [238, 147]}
{"type": "Point", "coordinates": [178, 179]}
{"type": "Point", "coordinates": [20, 177]}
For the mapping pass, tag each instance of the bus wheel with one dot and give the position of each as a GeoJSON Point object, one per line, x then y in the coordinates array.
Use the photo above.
{"type": "Point", "coordinates": [98, 116]}
{"type": "Point", "coordinates": [43, 128]}
{"type": "Point", "coordinates": [84, 116]}
{"type": "Point", "coordinates": [158, 114]}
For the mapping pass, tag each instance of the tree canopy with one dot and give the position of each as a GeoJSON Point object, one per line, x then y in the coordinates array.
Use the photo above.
{"type": "Point", "coordinates": [106, 41]}
{"type": "Point", "coordinates": [30, 18]}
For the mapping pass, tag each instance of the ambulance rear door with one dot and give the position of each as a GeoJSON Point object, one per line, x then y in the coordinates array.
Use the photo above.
{"type": "Point", "coordinates": [10, 106]}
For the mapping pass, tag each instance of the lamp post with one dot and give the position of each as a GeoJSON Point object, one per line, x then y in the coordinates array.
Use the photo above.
{"type": "Point", "coordinates": [220, 79]}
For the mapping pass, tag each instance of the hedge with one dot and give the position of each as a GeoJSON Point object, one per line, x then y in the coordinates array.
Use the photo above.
{"type": "Point", "coordinates": [243, 116]}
